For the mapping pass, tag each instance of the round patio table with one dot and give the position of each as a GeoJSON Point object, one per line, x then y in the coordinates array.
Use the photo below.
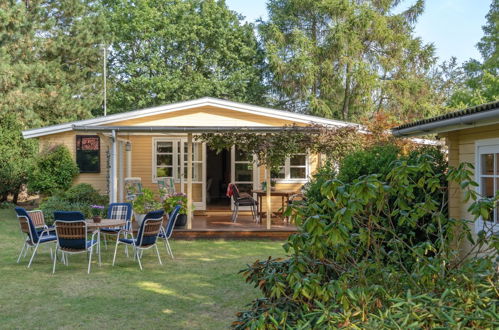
{"type": "Point", "coordinates": [104, 223]}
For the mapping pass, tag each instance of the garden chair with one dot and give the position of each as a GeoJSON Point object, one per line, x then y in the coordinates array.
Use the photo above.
{"type": "Point", "coordinates": [133, 188]}
{"type": "Point", "coordinates": [118, 211]}
{"type": "Point", "coordinates": [166, 186]}
{"type": "Point", "coordinates": [167, 231]}
{"type": "Point", "coordinates": [72, 239]}
{"type": "Point", "coordinates": [146, 238]}
{"type": "Point", "coordinates": [39, 219]}
{"type": "Point", "coordinates": [34, 237]}
{"type": "Point", "coordinates": [242, 200]}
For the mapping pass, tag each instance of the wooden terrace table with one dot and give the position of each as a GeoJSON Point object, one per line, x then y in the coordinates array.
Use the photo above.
{"type": "Point", "coordinates": [285, 194]}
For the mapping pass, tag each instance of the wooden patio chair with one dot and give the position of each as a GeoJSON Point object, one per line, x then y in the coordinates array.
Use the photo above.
{"type": "Point", "coordinates": [147, 236]}
{"type": "Point", "coordinates": [33, 237]}
{"type": "Point", "coordinates": [242, 200]}
{"type": "Point", "coordinates": [39, 219]}
{"type": "Point", "coordinates": [72, 239]}
{"type": "Point", "coordinates": [167, 231]}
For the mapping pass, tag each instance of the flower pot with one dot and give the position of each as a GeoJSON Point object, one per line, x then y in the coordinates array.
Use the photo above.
{"type": "Point", "coordinates": [96, 218]}
{"type": "Point", "coordinates": [139, 217]}
{"type": "Point", "coordinates": [181, 221]}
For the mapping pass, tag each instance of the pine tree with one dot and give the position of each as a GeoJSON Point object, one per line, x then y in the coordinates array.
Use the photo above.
{"type": "Point", "coordinates": [345, 59]}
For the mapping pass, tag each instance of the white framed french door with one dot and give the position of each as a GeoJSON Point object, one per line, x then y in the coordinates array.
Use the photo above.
{"type": "Point", "coordinates": [170, 160]}
{"type": "Point", "coordinates": [243, 172]}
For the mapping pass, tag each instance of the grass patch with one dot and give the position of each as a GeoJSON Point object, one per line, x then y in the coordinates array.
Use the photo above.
{"type": "Point", "coordinates": [200, 289]}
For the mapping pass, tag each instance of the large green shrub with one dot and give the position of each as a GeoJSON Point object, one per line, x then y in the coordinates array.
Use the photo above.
{"type": "Point", "coordinates": [350, 265]}
{"type": "Point", "coordinates": [79, 197]}
{"type": "Point", "coordinates": [16, 157]}
{"type": "Point", "coordinates": [54, 170]}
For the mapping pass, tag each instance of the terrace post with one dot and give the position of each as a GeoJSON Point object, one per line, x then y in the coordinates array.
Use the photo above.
{"type": "Point", "coordinates": [189, 181]}
{"type": "Point", "coordinates": [269, 203]}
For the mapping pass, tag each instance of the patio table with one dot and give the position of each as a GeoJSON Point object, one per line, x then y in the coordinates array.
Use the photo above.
{"type": "Point", "coordinates": [104, 223]}
{"type": "Point", "coordinates": [285, 194]}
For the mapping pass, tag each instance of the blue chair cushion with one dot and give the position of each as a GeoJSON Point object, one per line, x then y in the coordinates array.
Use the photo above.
{"type": "Point", "coordinates": [146, 240]}
{"type": "Point", "coordinates": [47, 238]}
{"type": "Point", "coordinates": [109, 230]}
{"type": "Point", "coordinates": [76, 244]}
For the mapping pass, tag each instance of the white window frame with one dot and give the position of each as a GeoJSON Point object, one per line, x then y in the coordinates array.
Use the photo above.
{"type": "Point", "coordinates": [176, 156]}
{"type": "Point", "coordinates": [486, 146]}
{"type": "Point", "coordinates": [287, 170]}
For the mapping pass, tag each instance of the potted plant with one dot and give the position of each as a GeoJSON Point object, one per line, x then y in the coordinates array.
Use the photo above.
{"type": "Point", "coordinates": [96, 212]}
{"type": "Point", "coordinates": [143, 204]}
{"type": "Point", "coordinates": [171, 201]}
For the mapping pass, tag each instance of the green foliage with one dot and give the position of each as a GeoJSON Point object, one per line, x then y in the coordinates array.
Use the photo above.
{"type": "Point", "coordinates": [169, 51]}
{"type": "Point", "coordinates": [146, 202]}
{"type": "Point", "coordinates": [50, 60]}
{"type": "Point", "coordinates": [344, 59]}
{"type": "Point", "coordinates": [352, 265]}
{"type": "Point", "coordinates": [79, 197]}
{"type": "Point", "coordinates": [84, 193]}
{"type": "Point", "coordinates": [171, 201]}
{"type": "Point", "coordinates": [481, 78]}
{"type": "Point", "coordinates": [54, 170]}
{"type": "Point", "coordinates": [16, 157]}
{"type": "Point", "coordinates": [374, 160]}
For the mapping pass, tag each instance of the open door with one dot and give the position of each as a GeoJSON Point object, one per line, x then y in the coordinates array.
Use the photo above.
{"type": "Point", "coordinates": [244, 172]}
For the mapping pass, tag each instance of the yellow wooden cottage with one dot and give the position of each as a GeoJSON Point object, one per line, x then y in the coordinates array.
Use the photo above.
{"type": "Point", "coordinates": [158, 142]}
{"type": "Point", "coordinates": [472, 136]}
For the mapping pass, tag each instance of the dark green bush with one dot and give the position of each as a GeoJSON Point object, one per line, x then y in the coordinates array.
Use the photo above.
{"type": "Point", "coordinates": [351, 266]}
{"type": "Point", "coordinates": [54, 170]}
{"type": "Point", "coordinates": [84, 193]}
{"type": "Point", "coordinates": [374, 160]}
{"type": "Point", "coordinates": [77, 198]}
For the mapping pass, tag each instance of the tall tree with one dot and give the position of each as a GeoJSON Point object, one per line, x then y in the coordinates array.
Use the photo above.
{"type": "Point", "coordinates": [481, 78]}
{"type": "Point", "coordinates": [174, 50]}
{"type": "Point", "coordinates": [50, 59]}
{"type": "Point", "coordinates": [343, 58]}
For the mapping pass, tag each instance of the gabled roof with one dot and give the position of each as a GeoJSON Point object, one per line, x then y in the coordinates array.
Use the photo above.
{"type": "Point", "coordinates": [205, 101]}
{"type": "Point", "coordinates": [480, 115]}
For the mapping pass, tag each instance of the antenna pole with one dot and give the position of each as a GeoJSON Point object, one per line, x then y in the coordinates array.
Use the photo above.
{"type": "Point", "coordinates": [105, 83]}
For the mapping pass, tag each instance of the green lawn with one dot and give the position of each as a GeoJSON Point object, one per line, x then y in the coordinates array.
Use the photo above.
{"type": "Point", "coordinates": [200, 289]}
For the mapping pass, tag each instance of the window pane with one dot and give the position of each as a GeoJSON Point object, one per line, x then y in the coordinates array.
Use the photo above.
{"type": "Point", "coordinates": [299, 160]}
{"type": "Point", "coordinates": [164, 172]}
{"type": "Point", "coordinates": [164, 147]}
{"type": "Point", "coordinates": [280, 174]}
{"type": "Point", "coordinates": [297, 173]}
{"type": "Point", "coordinates": [244, 172]}
{"type": "Point", "coordinates": [245, 187]}
{"type": "Point", "coordinates": [487, 185]}
{"type": "Point", "coordinates": [164, 160]}
{"type": "Point", "coordinates": [197, 169]}
{"type": "Point", "coordinates": [487, 164]}
{"type": "Point", "coordinates": [197, 149]}
{"type": "Point", "coordinates": [243, 156]}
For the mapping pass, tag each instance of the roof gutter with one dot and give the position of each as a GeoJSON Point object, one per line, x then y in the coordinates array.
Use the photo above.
{"type": "Point", "coordinates": [191, 129]}
{"type": "Point", "coordinates": [469, 121]}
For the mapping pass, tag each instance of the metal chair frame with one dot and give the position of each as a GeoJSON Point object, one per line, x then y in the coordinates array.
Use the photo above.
{"type": "Point", "coordinates": [238, 199]}
{"type": "Point", "coordinates": [127, 226]}
{"type": "Point", "coordinates": [138, 248]}
{"type": "Point", "coordinates": [29, 241]}
{"type": "Point", "coordinates": [167, 231]}
{"type": "Point", "coordinates": [65, 251]}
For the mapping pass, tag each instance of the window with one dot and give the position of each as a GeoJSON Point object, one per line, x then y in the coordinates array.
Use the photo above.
{"type": "Point", "coordinates": [295, 169]}
{"type": "Point", "coordinates": [168, 155]}
{"type": "Point", "coordinates": [243, 170]}
{"type": "Point", "coordinates": [488, 180]}
{"type": "Point", "coordinates": [88, 153]}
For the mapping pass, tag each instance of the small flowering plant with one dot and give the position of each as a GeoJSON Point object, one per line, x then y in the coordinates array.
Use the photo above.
{"type": "Point", "coordinates": [97, 210]}
{"type": "Point", "coordinates": [172, 200]}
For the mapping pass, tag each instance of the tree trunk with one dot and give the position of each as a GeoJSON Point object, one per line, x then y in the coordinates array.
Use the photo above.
{"type": "Point", "coordinates": [346, 99]}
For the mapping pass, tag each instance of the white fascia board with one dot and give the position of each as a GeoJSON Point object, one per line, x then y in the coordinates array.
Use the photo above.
{"type": "Point", "coordinates": [206, 101]}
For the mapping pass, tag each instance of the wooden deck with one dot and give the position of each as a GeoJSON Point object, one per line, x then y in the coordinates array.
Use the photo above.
{"type": "Point", "coordinates": [217, 224]}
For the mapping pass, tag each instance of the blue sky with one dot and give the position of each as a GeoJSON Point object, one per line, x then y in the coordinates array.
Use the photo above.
{"type": "Point", "coordinates": [453, 26]}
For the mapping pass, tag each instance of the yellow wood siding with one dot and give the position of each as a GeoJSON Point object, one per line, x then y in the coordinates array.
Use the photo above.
{"type": "Point", "coordinates": [205, 116]}
{"type": "Point", "coordinates": [97, 180]}
{"type": "Point", "coordinates": [462, 149]}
